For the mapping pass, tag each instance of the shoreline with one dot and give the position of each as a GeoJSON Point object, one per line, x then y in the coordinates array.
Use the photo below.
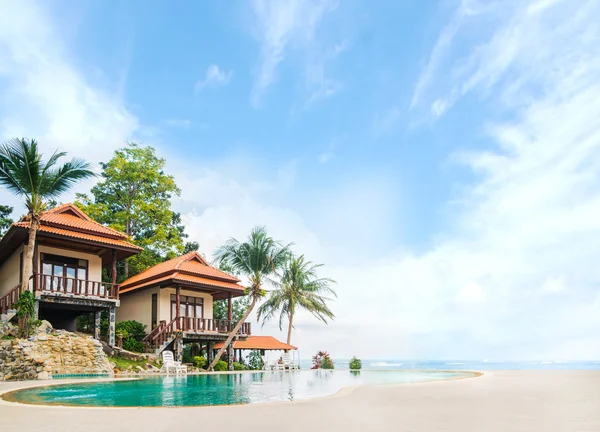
{"type": "Point", "coordinates": [502, 401]}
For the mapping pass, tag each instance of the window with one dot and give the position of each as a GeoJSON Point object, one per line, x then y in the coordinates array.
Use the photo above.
{"type": "Point", "coordinates": [154, 311]}
{"type": "Point", "coordinates": [55, 266]}
{"type": "Point", "coordinates": [189, 306]}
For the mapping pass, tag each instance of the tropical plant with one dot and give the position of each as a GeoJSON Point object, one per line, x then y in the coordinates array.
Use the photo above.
{"type": "Point", "coordinates": [131, 333]}
{"type": "Point", "coordinates": [25, 311]}
{"type": "Point", "coordinates": [355, 364]}
{"type": "Point", "coordinates": [239, 366]}
{"type": "Point", "coordinates": [255, 360]}
{"type": "Point", "coordinates": [25, 173]}
{"type": "Point", "coordinates": [200, 362]}
{"type": "Point", "coordinates": [5, 219]}
{"type": "Point", "coordinates": [258, 258]}
{"type": "Point", "coordinates": [220, 366]}
{"type": "Point", "coordinates": [322, 360]}
{"type": "Point", "coordinates": [238, 307]}
{"type": "Point", "coordinates": [299, 288]}
{"type": "Point", "coordinates": [134, 197]}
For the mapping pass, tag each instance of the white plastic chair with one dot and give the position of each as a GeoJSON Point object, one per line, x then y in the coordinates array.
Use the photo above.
{"type": "Point", "coordinates": [169, 363]}
{"type": "Point", "coordinates": [288, 362]}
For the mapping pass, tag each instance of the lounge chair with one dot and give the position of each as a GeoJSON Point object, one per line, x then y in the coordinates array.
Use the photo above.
{"type": "Point", "coordinates": [288, 363]}
{"type": "Point", "coordinates": [169, 364]}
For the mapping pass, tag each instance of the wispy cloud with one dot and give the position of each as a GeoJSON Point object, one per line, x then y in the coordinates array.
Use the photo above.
{"type": "Point", "coordinates": [279, 27]}
{"type": "Point", "coordinates": [178, 123]}
{"type": "Point", "coordinates": [213, 77]}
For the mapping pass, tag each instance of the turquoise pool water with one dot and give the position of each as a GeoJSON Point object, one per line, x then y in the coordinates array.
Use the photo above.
{"type": "Point", "coordinates": [218, 389]}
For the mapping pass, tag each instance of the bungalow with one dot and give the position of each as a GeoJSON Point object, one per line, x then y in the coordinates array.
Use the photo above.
{"type": "Point", "coordinates": [69, 256]}
{"type": "Point", "coordinates": [174, 299]}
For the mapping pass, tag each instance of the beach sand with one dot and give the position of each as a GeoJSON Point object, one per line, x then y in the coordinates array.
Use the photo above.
{"type": "Point", "coordinates": [503, 401]}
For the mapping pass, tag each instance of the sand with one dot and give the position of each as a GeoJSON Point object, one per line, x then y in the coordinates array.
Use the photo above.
{"type": "Point", "coordinates": [544, 401]}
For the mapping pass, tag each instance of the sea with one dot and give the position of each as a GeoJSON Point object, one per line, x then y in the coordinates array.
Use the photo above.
{"type": "Point", "coordinates": [394, 364]}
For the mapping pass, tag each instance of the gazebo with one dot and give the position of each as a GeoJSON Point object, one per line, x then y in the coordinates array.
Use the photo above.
{"type": "Point", "coordinates": [261, 343]}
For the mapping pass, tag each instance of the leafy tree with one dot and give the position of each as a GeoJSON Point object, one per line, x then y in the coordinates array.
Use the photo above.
{"type": "Point", "coordinates": [299, 288]}
{"type": "Point", "coordinates": [24, 172]}
{"type": "Point", "coordinates": [258, 258]}
{"type": "Point", "coordinates": [238, 306]}
{"type": "Point", "coordinates": [191, 247]}
{"type": "Point", "coordinates": [5, 219]}
{"type": "Point", "coordinates": [134, 197]}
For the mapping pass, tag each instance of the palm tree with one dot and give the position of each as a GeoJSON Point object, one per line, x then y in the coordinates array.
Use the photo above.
{"type": "Point", "coordinates": [257, 258]}
{"type": "Point", "coordinates": [300, 288]}
{"type": "Point", "coordinates": [24, 172]}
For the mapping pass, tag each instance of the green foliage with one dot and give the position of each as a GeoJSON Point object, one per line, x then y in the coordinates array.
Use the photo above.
{"type": "Point", "coordinates": [238, 306]}
{"type": "Point", "coordinates": [5, 219]}
{"type": "Point", "coordinates": [87, 322]}
{"type": "Point", "coordinates": [25, 173]}
{"type": "Point", "coordinates": [355, 363]}
{"type": "Point", "coordinates": [239, 366]}
{"type": "Point", "coordinates": [220, 366]}
{"type": "Point", "coordinates": [190, 246]}
{"type": "Point", "coordinates": [255, 360]}
{"type": "Point", "coordinates": [133, 345]}
{"type": "Point", "coordinates": [299, 288]}
{"type": "Point", "coordinates": [322, 360]}
{"type": "Point", "coordinates": [134, 197]}
{"type": "Point", "coordinates": [123, 363]}
{"type": "Point", "coordinates": [25, 311]}
{"type": "Point", "coordinates": [200, 362]}
{"type": "Point", "coordinates": [134, 329]}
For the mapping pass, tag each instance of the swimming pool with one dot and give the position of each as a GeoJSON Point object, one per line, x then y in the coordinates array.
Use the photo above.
{"type": "Point", "coordinates": [218, 389]}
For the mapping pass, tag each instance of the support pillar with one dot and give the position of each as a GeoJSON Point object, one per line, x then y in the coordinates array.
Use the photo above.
{"type": "Point", "coordinates": [36, 309]}
{"type": "Point", "coordinates": [97, 319]}
{"type": "Point", "coordinates": [209, 352]}
{"type": "Point", "coordinates": [230, 356]}
{"type": "Point", "coordinates": [178, 346]}
{"type": "Point", "coordinates": [111, 326]}
{"type": "Point", "coordinates": [114, 267]}
{"type": "Point", "coordinates": [229, 312]}
{"type": "Point", "coordinates": [177, 307]}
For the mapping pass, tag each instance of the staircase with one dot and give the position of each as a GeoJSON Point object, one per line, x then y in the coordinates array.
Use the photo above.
{"type": "Point", "coordinates": [8, 303]}
{"type": "Point", "coordinates": [161, 337]}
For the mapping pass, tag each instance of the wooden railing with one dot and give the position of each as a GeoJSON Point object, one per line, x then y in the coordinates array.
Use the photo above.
{"type": "Point", "coordinates": [9, 300]}
{"type": "Point", "coordinates": [79, 287]}
{"type": "Point", "coordinates": [164, 331]}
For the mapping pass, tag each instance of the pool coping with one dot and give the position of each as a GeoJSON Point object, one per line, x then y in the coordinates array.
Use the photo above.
{"type": "Point", "coordinates": [340, 393]}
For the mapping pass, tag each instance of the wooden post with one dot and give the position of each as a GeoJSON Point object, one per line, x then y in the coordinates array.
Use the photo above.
{"type": "Point", "coordinates": [229, 312]}
{"type": "Point", "coordinates": [114, 267]}
{"type": "Point", "coordinates": [177, 306]}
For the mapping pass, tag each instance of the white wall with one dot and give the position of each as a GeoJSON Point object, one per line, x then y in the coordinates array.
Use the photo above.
{"type": "Point", "coordinates": [9, 272]}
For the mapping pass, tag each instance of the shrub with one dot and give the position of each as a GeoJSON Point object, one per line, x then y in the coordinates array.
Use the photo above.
{"type": "Point", "coordinates": [130, 344]}
{"type": "Point", "coordinates": [25, 311]}
{"type": "Point", "coordinates": [200, 362]}
{"type": "Point", "coordinates": [355, 363]}
{"type": "Point", "coordinates": [221, 366]}
{"type": "Point", "coordinates": [322, 360]}
{"type": "Point", "coordinates": [255, 360]}
{"type": "Point", "coordinates": [238, 366]}
{"type": "Point", "coordinates": [134, 329]}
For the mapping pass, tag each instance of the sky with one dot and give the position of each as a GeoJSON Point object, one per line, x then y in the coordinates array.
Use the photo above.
{"type": "Point", "coordinates": [441, 159]}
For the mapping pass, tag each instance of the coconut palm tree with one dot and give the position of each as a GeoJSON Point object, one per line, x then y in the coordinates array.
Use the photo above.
{"type": "Point", "coordinates": [258, 258]}
{"type": "Point", "coordinates": [25, 173]}
{"type": "Point", "coordinates": [300, 288]}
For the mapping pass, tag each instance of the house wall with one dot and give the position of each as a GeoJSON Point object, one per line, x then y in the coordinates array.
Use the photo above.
{"type": "Point", "coordinates": [137, 306]}
{"type": "Point", "coordinates": [94, 261]}
{"type": "Point", "coordinates": [164, 312]}
{"type": "Point", "coordinates": [9, 272]}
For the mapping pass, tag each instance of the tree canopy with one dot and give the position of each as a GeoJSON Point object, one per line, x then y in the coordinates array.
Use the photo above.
{"type": "Point", "coordinates": [134, 196]}
{"type": "Point", "coordinates": [5, 219]}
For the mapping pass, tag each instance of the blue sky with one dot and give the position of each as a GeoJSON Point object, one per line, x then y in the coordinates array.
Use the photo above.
{"type": "Point", "coordinates": [439, 157]}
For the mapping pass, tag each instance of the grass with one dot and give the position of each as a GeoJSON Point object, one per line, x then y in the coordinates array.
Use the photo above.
{"type": "Point", "coordinates": [123, 363]}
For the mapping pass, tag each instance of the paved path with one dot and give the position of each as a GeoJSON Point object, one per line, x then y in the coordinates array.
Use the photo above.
{"type": "Point", "coordinates": [532, 401]}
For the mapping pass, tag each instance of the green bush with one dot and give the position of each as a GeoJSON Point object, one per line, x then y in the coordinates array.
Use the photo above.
{"type": "Point", "coordinates": [200, 362]}
{"type": "Point", "coordinates": [255, 360]}
{"type": "Point", "coordinates": [130, 344]}
{"type": "Point", "coordinates": [220, 366]}
{"type": "Point", "coordinates": [355, 363]}
{"type": "Point", "coordinates": [238, 366]}
{"type": "Point", "coordinates": [134, 329]}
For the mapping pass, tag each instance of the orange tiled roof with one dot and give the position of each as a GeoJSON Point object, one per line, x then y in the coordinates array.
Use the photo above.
{"type": "Point", "coordinates": [258, 342]}
{"type": "Point", "coordinates": [69, 221]}
{"type": "Point", "coordinates": [191, 268]}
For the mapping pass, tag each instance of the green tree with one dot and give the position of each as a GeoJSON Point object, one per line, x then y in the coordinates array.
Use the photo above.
{"type": "Point", "coordinates": [5, 219]}
{"type": "Point", "coordinates": [238, 308]}
{"type": "Point", "coordinates": [134, 197]}
{"type": "Point", "coordinates": [25, 173]}
{"type": "Point", "coordinates": [299, 288]}
{"type": "Point", "coordinates": [258, 258]}
{"type": "Point", "coordinates": [191, 247]}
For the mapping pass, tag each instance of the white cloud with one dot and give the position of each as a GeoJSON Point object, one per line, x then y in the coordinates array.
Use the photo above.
{"type": "Point", "coordinates": [213, 77]}
{"type": "Point", "coordinates": [178, 123]}
{"type": "Point", "coordinates": [282, 26]}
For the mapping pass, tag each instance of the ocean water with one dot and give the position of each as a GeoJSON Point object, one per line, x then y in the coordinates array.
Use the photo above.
{"type": "Point", "coordinates": [396, 364]}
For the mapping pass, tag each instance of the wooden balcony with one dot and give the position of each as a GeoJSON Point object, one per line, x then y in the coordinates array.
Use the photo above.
{"type": "Point", "coordinates": [58, 285]}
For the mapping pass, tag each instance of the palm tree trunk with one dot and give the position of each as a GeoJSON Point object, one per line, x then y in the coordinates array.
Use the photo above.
{"type": "Point", "coordinates": [232, 334]}
{"type": "Point", "coordinates": [289, 339]}
{"type": "Point", "coordinates": [28, 262]}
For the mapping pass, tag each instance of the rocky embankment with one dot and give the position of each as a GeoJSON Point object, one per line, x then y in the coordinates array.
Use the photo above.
{"type": "Point", "coordinates": [50, 352]}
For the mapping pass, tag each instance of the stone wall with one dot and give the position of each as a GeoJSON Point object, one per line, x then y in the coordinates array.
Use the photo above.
{"type": "Point", "coordinates": [50, 352]}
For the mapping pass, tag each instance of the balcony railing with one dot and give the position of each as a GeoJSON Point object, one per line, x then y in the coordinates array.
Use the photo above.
{"type": "Point", "coordinates": [48, 284]}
